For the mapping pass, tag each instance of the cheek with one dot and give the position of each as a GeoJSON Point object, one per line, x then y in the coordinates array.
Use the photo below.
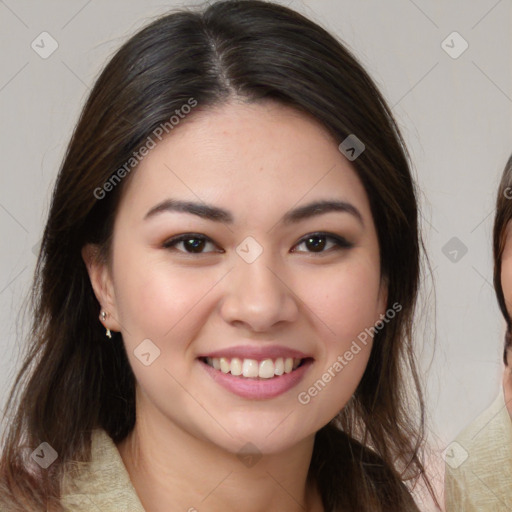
{"type": "Point", "coordinates": [159, 301]}
{"type": "Point", "coordinates": [346, 305]}
{"type": "Point", "coordinates": [168, 306]}
{"type": "Point", "coordinates": [506, 281]}
{"type": "Point", "coordinates": [346, 299]}
{"type": "Point", "coordinates": [334, 384]}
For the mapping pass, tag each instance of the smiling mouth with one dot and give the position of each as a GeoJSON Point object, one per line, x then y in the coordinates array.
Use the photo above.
{"type": "Point", "coordinates": [254, 369]}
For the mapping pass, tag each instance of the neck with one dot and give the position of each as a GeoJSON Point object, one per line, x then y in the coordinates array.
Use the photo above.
{"type": "Point", "coordinates": [168, 465]}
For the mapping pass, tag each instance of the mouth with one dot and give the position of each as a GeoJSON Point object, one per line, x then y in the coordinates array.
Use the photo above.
{"type": "Point", "coordinates": [255, 369]}
{"type": "Point", "coordinates": [257, 374]}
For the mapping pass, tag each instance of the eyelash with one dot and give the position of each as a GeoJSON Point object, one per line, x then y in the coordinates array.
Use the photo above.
{"type": "Point", "coordinates": [340, 242]}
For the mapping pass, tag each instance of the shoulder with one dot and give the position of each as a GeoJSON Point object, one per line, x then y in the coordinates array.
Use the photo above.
{"type": "Point", "coordinates": [479, 463]}
{"type": "Point", "coordinates": [102, 483]}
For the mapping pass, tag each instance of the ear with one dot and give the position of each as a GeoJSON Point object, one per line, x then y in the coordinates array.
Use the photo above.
{"type": "Point", "coordinates": [102, 284]}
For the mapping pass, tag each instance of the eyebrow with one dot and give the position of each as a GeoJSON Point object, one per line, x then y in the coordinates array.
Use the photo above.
{"type": "Point", "coordinates": [217, 214]}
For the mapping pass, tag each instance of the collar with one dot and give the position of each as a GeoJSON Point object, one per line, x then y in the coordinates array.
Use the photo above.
{"type": "Point", "coordinates": [101, 484]}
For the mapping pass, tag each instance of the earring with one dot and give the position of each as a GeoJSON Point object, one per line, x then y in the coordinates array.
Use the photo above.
{"type": "Point", "coordinates": [103, 316]}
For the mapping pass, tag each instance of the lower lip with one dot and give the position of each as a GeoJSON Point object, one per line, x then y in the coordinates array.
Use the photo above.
{"type": "Point", "coordinates": [258, 389]}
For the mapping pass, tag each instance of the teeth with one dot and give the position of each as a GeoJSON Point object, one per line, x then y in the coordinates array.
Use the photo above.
{"type": "Point", "coordinates": [266, 369]}
{"type": "Point", "coordinates": [252, 368]}
{"type": "Point", "coordinates": [279, 366]}
{"type": "Point", "coordinates": [236, 366]}
{"type": "Point", "coordinates": [224, 365]}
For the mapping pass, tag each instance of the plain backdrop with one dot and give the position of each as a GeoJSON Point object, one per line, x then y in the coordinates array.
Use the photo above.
{"type": "Point", "coordinates": [454, 108]}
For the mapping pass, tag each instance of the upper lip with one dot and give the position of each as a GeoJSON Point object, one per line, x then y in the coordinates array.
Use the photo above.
{"type": "Point", "coordinates": [257, 352]}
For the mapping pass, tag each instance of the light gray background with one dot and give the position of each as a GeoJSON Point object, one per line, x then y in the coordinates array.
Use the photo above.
{"type": "Point", "coordinates": [455, 115]}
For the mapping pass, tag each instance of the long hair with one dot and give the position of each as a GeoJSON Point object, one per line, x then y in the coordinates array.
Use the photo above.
{"type": "Point", "coordinates": [369, 456]}
{"type": "Point", "coordinates": [501, 218]}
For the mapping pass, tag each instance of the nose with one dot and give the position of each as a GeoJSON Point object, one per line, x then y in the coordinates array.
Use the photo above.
{"type": "Point", "coordinates": [258, 296]}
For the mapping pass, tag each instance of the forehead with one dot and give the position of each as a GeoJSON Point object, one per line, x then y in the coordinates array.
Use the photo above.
{"type": "Point", "coordinates": [248, 156]}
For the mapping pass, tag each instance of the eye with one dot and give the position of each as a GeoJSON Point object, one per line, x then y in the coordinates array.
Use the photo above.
{"type": "Point", "coordinates": [317, 242]}
{"type": "Point", "coordinates": [193, 243]}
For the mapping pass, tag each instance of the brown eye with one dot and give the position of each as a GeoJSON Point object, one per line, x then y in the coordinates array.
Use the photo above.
{"type": "Point", "coordinates": [192, 244]}
{"type": "Point", "coordinates": [316, 242]}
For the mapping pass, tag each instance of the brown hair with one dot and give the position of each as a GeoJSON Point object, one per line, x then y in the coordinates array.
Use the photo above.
{"type": "Point", "coordinates": [72, 382]}
{"type": "Point", "coordinates": [501, 219]}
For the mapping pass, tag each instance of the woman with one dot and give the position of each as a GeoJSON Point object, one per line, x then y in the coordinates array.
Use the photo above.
{"type": "Point", "coordinates": [478, 476]}
{"type": "Point", "coordinates": [254, 366]}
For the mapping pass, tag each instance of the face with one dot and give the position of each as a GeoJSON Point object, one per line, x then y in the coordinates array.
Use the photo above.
{"type": "Point", "coordinates": [507, 383]}
{"type": "Point", "coordinates": [248, 280]}
{"type": "Point", "coordinates": [506, 284]}
{"type": "Point", "coordinates": [506, 268]}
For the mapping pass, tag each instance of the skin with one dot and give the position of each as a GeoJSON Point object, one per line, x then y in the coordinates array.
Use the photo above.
{"type": "Point", "coordinates": [506, 284]}
{"type": "Point", "coordinates": [258, 161]}
{"type": "Point", "coordinates": [507, 384]}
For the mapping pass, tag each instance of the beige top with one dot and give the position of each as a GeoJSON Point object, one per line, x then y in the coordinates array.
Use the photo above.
{"type": "Point", "coordinates": [104, 484]}
{"type": "Point", "coordinates": [478, 474]}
